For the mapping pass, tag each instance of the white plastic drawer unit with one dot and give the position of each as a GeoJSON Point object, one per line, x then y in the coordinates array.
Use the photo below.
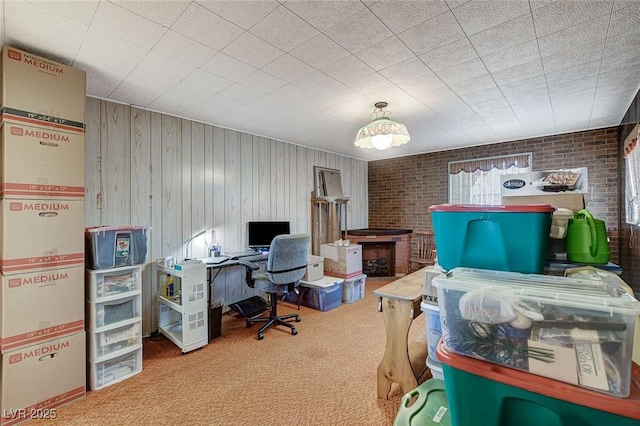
{"type": "Point", "coordinates": [113, 312]}
{"type": "Point", "coordinates": [113, 282]}
{"type": "Point", "coordinates": [111, 341]}
{"type": "Point", "coordinates": [116, 369]}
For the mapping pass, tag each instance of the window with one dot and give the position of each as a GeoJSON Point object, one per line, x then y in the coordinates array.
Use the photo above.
{"type": "Point", "coordinates": [632, 158]}
{"type": "Point", "coordinates": [478, 181]}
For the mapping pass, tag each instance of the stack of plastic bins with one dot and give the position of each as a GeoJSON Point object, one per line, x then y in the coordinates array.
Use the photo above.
{"type": "Point", "coordinates": [434, 333]}
{"type": "Point", "coordinates": [502, 396]}
{"type": "Point", "coordinates": [114, 302]}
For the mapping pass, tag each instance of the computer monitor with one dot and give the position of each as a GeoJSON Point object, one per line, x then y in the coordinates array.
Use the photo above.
{"type": "Point", "coordinates": [260, 234]}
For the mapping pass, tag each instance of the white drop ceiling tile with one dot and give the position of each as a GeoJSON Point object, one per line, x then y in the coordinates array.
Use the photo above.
{"type": "Point", "coordinates": [227, 67]}
{"type": "Point", "coordinates": [283, 29]}
{"type": "Point", "coordinates": [200, 85]}
{"type": "Point", "coordinates": [584, 72]}
{"type": "Point", "coordinates": [508, 34]}
{"type": "Point", "coordinates": [625, 19]}
{"type": "Point", "coordinates": [348, 69]}
{"type": "Point", "coordinates": [291, 94]}
{"type": "Point", "coordinates": [564, 14]}
{"type": "Point", "coordinates": [438, 98]}
{"type": "Point", "coordinates": [141, 89]}
{"type": "Point", "coordinates": [455, 3]}
{"type": "Point", "coordinates": [475, 16]}
{"type": "Point", "coordinates": [432, 34]}
{"type": "Point", "coordinates": [538, 4]}
{"type": "Point", "coordinates": [218, 103]}
{"type": "Point", "coordinates": [101, 84]}
{"type": "Point", "coordinates": [619, 45]}
{"type": "Point", "coordinates": [245, 13]}
{"type": "Point", "coordinates": [206, 27]}
{"type": "Point", "coordinates": [324, 14]}
{"type": "Point", "coordinates": [248, 110]}
{"type": "Point", "coordinates": [183, 49]}
{"type": "Point", "coordinates": [155, 63]}
{"type": "Point", "coordinates": [319, 52]}
{"type": "Point", "coordinates": [369, 83]}
{"type": "Point", "coordinates": [114, 20]}
{"type": "Point", "coordinates": [231, 120]}
{"type": "Point", "coordinates": [530, 100]}
{"type": "Point", "coordinates": [175, 101]}
{"type": "Point", "coordinates": [519, 72]}
{"type": "Point", "coordinates": [483, 96]}
{"type": "Point", "coordinates": [574, 57]}
{"type": "Point", "coordinates": [490, 106]}
{"type": "Point", "coordinates": [575, 100]}
{"type": "Point", "coordinates": [512, 56]}
{"type": "Point", "coordinates": [288, 68]}
{"type": "Point", "coordinates": [242, 93]}
{"type": "Point", "coordinates": [409, 71]}
{"type": "Point", "coordinates": [466, 71]}
{"type": "Point", "coordinates": [252, 50]}
{"type": "Point", "coordinates": [316, 82]}
{"type": "Point", "coordinates": [78, 11]}
{"type": "Point", "coordinates": [208, 115]}
{"type": "Point", "coordinates": [522, 87]}
{"type": "Point", "coordinates": [54, 35]}
{"type": "Point", "coordinates": [574, 37]}
{"type": "Point", "coordinates": [450, 55]}
{"type": "Point", "coordinates": [478, 84]}
{"type": "Point", "coordinates": [574, 85]}
{"type": "Point", "coordinates": [359, 31]}
{"type": "Point", "coordinates": [389, 53]}
{"type": "Point", "coordinates": [270, 103]}
{"type": "Point", "coordinates": [262, 82]}
{"type": "Point", "coordinates": [99, 49]}
{"type": "Point", "coordinates": [163, 12]}
{"type": "Point", "coordinates": [402, 15]}
{"type": "Point", "coordinates": [423, 91]}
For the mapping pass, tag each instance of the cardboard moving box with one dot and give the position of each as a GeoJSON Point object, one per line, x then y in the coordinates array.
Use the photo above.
{"type": "Point", "coordinates": [39, 378]}
{"type": "Point", "coordinates": [40, 306]}
{"type": "Point", "coordinates": [343, 262]}
{"type": "Point", "coordinates": [33, 84]}
{"type": "Point", "coordinates": [40, 235]}
{"type": "Point", "coordinates": [36, 162]}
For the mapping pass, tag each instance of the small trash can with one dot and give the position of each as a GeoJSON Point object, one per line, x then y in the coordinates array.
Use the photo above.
{"type": "Point", "coordinates": [215, 319]}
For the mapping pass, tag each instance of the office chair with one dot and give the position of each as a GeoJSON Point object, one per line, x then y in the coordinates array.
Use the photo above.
{"type": "Point", "coordinates": [286, 266]}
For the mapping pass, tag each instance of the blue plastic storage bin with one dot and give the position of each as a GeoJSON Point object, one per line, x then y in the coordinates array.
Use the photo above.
{"type": "Point", "coordinates": [322, 298]}
{"type": "Point", "coordinates": [505, 238]}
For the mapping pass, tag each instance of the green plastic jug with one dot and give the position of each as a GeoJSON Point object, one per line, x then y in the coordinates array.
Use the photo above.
{"type": "Point", "coordinates": [587, 239]}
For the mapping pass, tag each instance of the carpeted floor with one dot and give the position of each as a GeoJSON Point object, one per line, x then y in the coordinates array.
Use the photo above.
{"type": "Point", "coordinates": [325, 375]}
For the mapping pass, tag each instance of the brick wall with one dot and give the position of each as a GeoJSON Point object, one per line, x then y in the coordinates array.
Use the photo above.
{"type": "Point", "coordinates": [402, 189]}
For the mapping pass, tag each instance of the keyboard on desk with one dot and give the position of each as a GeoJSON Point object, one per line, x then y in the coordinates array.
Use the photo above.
{"type": "Point", "coordinates": [240, 254]}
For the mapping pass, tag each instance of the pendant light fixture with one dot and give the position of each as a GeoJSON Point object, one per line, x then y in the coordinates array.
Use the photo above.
{"type": "Point", "coordinates": [382, 132]}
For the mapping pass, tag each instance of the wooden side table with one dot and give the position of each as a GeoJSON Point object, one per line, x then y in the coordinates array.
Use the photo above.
{"type": "Point", "coordinates": [402, 362]}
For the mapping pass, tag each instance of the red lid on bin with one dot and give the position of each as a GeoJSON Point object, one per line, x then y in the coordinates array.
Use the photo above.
{"type": "Point", "coordinates": [626, 407]}
{"type": "Point", "coordinates": [477, 208]}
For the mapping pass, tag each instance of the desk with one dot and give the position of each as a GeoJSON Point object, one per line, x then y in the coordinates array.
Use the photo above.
{"type": "Point", "coordinates": [400, 304]}
{"type": "Point", "coordinates": [213, 269]}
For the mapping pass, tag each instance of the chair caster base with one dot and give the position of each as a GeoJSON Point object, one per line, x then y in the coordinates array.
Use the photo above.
{"type": "Point", "coordinates": [298, 319]}
{"type": "Point", "coordinates": [260, 336]}
{"type": "Point", "coordinates": [294, 331]}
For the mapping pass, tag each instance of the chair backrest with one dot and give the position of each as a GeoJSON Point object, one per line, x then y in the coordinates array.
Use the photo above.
{"type": "Point", "coordinates": [426, 245]}
{"type": "Point", "coordinates": [287, 261]}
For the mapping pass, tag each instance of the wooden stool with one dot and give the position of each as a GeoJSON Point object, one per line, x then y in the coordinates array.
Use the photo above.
{"type": "Point", "coordinates": [400, 304]}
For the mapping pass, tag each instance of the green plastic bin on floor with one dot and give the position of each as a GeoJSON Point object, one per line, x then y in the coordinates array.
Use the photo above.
{"type": "Point", "coordinates": [429, 408]}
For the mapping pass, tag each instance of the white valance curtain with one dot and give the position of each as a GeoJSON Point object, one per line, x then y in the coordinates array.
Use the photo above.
{"type": "Point", "coordinates": [478, 181]}
{"type": "Point", "coordinates": [631, 154]}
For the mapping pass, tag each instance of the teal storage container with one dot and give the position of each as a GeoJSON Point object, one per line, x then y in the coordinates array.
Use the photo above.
{"type": "Point", "coordinates": [504, 238]}
{"type": "Point", "coordinates": [481, 393]}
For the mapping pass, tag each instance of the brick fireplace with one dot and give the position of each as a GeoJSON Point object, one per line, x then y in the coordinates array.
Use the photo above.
{"type": "Point", "coordinates": [385, 252]}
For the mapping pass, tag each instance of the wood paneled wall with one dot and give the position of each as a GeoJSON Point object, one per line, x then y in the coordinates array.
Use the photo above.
{"type": "Point", "coordinates": [182, 177]}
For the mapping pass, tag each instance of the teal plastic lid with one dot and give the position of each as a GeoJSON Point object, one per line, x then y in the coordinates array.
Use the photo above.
{"type": "Point", "coordinates": [477, 208]}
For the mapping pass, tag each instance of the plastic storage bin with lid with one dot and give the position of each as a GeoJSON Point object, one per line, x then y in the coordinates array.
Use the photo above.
{"type": "Point", "coordinates": [506, 238]}
{"type": "Point", "coordinates": [571, 330]}
{"type": "Point", "coordinates": [501, 396]}
{"type": "Point", "coordinates": [113, 246]}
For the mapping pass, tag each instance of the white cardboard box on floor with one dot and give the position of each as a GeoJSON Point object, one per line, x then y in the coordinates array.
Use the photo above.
{"type": "Point", "coordinates": [41, 377]}
{"type": "Point", "coordinates": [315, 268]}
{"type": "Point", "coordinates": [40, 306]}
{"type": "Point", "coordinates": [343, 262]}
{"type": "Point", "coordinates": [40, 235]}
